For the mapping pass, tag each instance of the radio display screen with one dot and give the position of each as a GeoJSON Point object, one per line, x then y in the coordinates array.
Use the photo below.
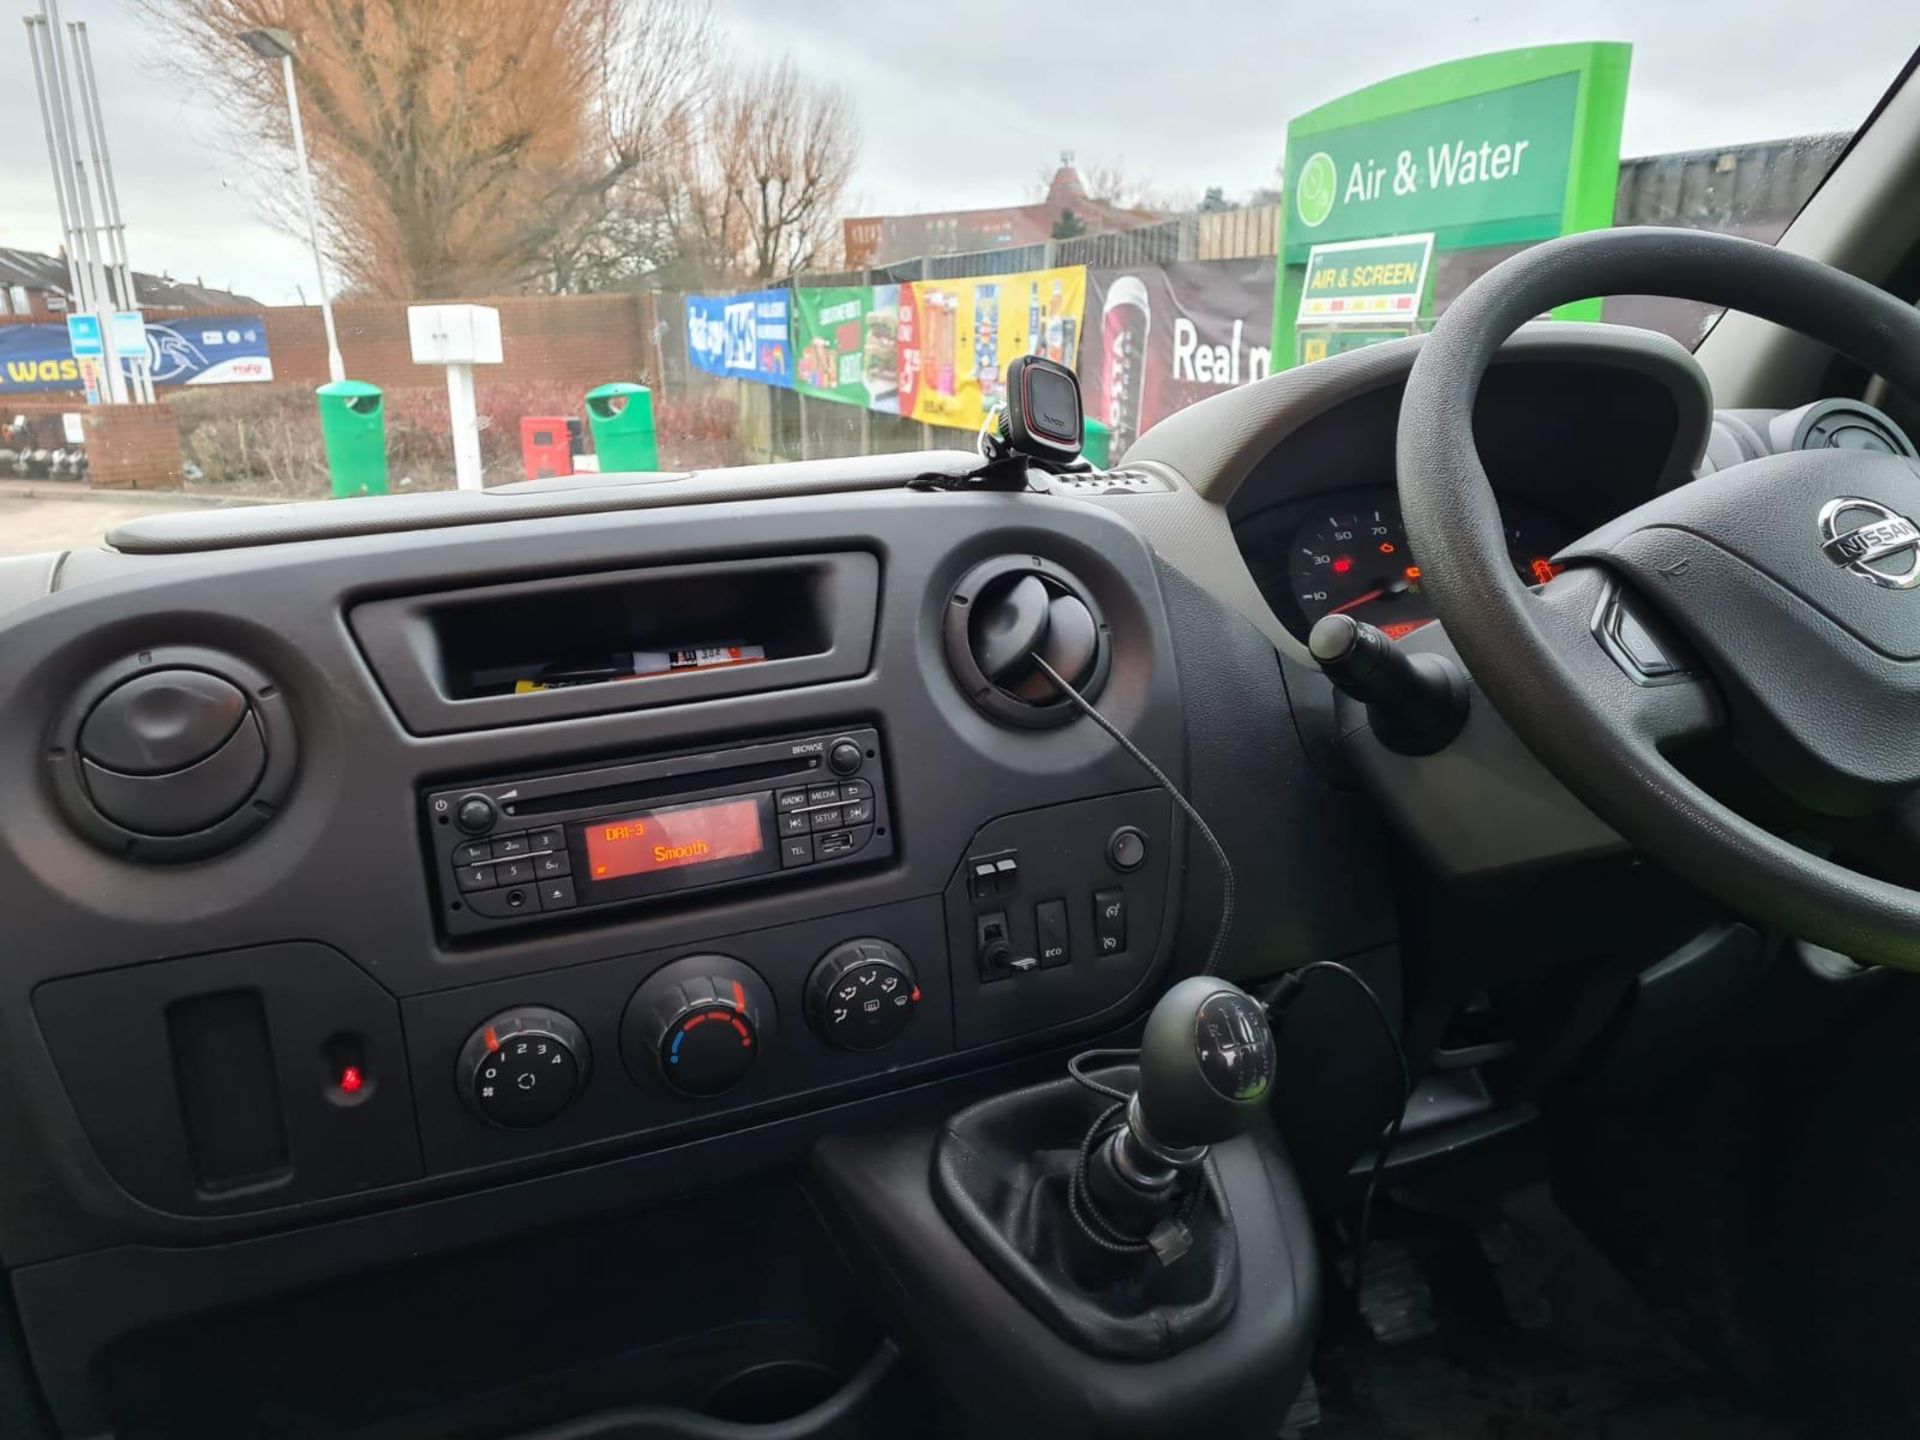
{"type": "Point", "coordinates": [649, 841]}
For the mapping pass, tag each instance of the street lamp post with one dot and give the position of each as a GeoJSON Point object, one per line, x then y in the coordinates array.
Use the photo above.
{"type": "Point", "coordinates": [274, 44]}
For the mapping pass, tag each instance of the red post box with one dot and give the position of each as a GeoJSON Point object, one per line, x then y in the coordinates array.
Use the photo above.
{"type": "Point", "coordinates": [545, 448]}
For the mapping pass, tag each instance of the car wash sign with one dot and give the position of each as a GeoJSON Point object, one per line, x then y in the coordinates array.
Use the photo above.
{"type": "Point", "coordinates": [1495, 150]}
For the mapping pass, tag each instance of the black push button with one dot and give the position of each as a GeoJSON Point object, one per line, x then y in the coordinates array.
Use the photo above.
{"type": "Point", "coordinates": [794, 822]}
{"type": "Point", "coordinates": [1640, 646]}
{"type": "Point", "coordinates": [1126, 849]}
{"type": "Point", "coordinates": [473, 852]}
{"type": "Point", "coordinates": [859, 812]}
{"type": "Point", "coordinates": [827, 819]}
{"type": "Point", "coordinates": [797, 851]}
{"type": "Point", "coordinates": [556, 894]}
{"type": "Point", "coordinates": [473, 877]}
{"type": "Point", "coordinates": [547, 839]}
{"type": "Point", "coordinates": [512, 872]}
{"type": "Point", "coordinates": [985, 880]}
{"type": "Point", "coordinates": [510, 847]}
{"type": "Point", "coordinates": [785, 800]}
{"type": "Point", "coordinates": [1006, 875]}
{"type": "Point", "coordinates": [553, 863]}
{"type": "Point", "coordinates": [823, 795]}
{"type": "Point", "coordinates": [1050, 923]}
{"type": "Point", "coordinates": [856, 790]}
{"type": "Point", "coordinates": [1110, 921]}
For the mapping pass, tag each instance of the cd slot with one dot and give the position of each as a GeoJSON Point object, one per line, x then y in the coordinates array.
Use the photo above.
{"type": "Point", "coordinates": [667, 786]}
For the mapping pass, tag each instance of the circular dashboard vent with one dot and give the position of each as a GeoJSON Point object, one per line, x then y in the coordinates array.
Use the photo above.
{"type": "Point", "coordinates": [173, 755]}
{"type": "Point", "coordinates": [1006, 612]}
{"type": "Point", "coordinates": [1850, 425]}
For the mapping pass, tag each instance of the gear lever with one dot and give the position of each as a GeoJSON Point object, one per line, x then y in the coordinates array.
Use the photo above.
{"type": "Point", "coordinates": [1206, 1062]}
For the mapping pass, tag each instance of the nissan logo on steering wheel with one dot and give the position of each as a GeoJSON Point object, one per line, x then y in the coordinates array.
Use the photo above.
{"type": "Point", "coordinates": [1871, 534]}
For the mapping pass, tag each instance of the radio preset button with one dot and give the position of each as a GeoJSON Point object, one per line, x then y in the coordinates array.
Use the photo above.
{"type": "Point", "coordinates": [794, 822]}
{"type": "Point", "coordinates": [785, 800]}
{"type": "Point", "coordinates": [473, 877]}
{"type": "Point", "coordinates": [552, 864]}
{"type": "Point", "coordinates": [556, 894]}
{"type": "Point", "coordinates": [827, 819]}
{"type": "Point", "coordinates": [796, 852]}
{"type": "Point", "coordinates": [547, 839]}
{"type": "Point", "coordinates": [512, 872]}
{"type": "Point", "coordinates": [509, 847]}
{"type": "Point", "coordinates": [823, 795]}
{"type": "Point", "coordinates": [473, 852]}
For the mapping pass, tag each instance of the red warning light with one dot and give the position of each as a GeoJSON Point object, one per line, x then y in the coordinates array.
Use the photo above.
{"type": "Point", "coordinates": [352, 1082]}
{"type": "Point", "coordinates": [1413, 572]}
{"type": "Point", "coordinates": [1387, 547]}
{"type": "Point", "coordinates": [1544, 570]}
{"type": "Point", "coordinates": [1341, 564]}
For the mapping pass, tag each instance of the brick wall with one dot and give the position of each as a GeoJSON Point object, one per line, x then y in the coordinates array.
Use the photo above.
{"type": "Point", "coordinates": [134, 447]}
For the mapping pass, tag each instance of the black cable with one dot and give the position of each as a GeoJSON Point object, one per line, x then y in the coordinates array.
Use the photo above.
{"type": "Point", "coordinates": [1277, 998]}
{"type": "Point", "coordinates": [1085, 706]}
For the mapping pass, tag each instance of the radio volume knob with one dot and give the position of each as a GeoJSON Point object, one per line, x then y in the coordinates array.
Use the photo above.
{"type": "Point", "coordinates": [844, 757]}
{"type": "Point", "coordinates": [862, 994]}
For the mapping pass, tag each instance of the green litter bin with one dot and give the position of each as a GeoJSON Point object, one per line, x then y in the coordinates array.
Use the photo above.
{"type": "Point", "coordinates": [621, 414]}
{"type": "Point", "coordinates": [1096, 442]}
{"type": "Point", "coordinates": [353, 422]}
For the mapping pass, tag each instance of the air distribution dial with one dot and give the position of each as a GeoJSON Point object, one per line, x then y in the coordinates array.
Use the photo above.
{"type": "Point", "coordinates": [523, 1067]}
{"type": "Point", "coordinates": [862, 994]}
{"type": "Point", "coordinates": [696, 1025]}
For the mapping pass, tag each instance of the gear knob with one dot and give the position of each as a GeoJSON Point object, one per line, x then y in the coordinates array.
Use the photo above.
{"type": "Point", "coordinates": [1206, 1062]}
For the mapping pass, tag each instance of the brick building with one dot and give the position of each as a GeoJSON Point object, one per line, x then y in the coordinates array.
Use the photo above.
{"type": "Point", "coordinates": [883, 239]}
{"type": "Point", "coordinates": [34, 285]}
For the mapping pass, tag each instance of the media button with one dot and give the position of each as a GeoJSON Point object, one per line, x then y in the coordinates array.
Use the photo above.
{"type": "Point", "coordinates": [823, 795]}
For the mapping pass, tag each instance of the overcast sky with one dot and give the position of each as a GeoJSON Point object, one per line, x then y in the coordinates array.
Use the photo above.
{"type": "Point", "coordinates": [964, 104]}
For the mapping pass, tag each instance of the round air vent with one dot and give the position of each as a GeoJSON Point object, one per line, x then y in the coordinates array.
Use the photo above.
{"type": "Point", "coordinates": [173, 755]}
{"type": "Point", "coordinates": [1003, 614]}
{"type": "Point", "coordinates": [1849, 425]}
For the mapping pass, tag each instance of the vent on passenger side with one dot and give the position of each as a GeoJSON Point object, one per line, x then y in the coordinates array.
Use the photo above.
{"type": "Point", "coordinates": [1003, 614]}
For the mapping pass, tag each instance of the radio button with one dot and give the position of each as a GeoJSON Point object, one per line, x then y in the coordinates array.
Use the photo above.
{"type": "Point", "coordinates": [859, 812]}
{"type": "Point", "coordinates": [505, 903]}
{"type": "Point", "coordinates": [473, 877]}
{"type": "Point", "coordinates": [827, 819]}
{"type": "Point", "coordinates": [856, 790]}
{"type": "Point", "coordinates": [796, 852]}
{"type": "Point", "coordinates": [509, 847]}
{"type": "Point", "coordinates": [553, 863]}
{"type": "Point", "coordinates": [512, 872]}
{"type": "Point", "coordinates": [556, 894]}
{"type": "Point", "coordinates": [794, 823]}
{"type": "Point", "coordinates": [547, 839]}
{"type": "Point", "coordinates": [823, 795]}
{"type": "Point", "coordinates": [473, 852]}
{"type": "Point", "coordinates": [785, 800]}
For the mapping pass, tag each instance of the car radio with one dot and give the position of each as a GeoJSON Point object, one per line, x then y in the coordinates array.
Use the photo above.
{"type": "Point", "coordinates": [511, 851]}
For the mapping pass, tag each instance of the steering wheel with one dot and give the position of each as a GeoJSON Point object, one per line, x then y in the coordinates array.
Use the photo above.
{"type": "Point", "coordinates": [1792, 583]}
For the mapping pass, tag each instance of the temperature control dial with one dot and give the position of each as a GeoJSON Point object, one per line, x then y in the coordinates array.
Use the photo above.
{"type": "Point", "coordinates": [523, 1067]}
{"type": "Point", "coordinates": [696, 1025]}
{"type": "Point", "coordinates": [862, 994]}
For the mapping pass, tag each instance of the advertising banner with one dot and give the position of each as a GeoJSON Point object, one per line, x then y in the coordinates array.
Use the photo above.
{"type": "Point", "coordinates": [956, 338]}
{"type": "Point", "coordinates": [221, 350]}
{"type": "Point", "coordinates": [1493, 150]}
{"type": "Point", "coordinates": [1365, 281]}
{"type": "Point", "coordinates": [741, 337]}
{"type": "Point", "coordinates": [1168, 337]}
{"type": "Point", "coordinates": [846, 345]}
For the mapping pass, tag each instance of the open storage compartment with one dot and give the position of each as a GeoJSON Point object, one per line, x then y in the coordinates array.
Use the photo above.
{"type": "Point", "coordinates": [617, 640]}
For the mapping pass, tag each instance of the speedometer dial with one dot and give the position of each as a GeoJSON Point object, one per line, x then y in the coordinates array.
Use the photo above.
{"type": "Point", "coordinates": [1354, 559]}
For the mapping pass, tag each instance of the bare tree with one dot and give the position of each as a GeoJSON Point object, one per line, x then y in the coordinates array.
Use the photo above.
{"type": "Point", "coordinates": [782, 151]}
{"type": "Point", "coordinates": [460, 146]}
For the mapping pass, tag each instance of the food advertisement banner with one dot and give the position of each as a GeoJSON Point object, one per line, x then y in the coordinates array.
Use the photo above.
{"type": "Point", "coordinates": [1168, 337]}
{"type": "Point", "coordinates": [846, 345]}
{"type": "Point", "coordinates": [957, 337]}
{"type": "Point", "coordinates": [741, 337]}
